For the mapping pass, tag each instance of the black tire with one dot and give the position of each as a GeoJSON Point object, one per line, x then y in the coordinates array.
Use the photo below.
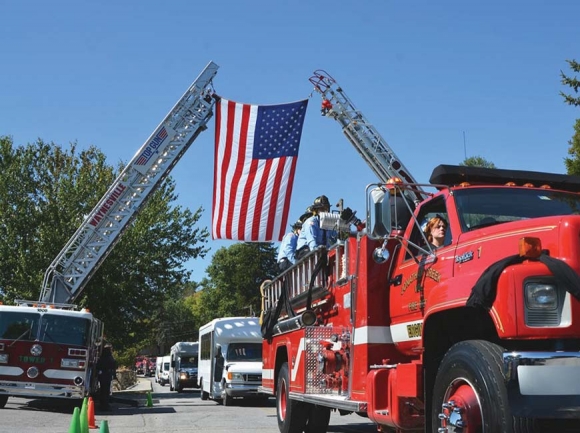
{"type": "Point", "coordinates": [179, 389]}
{"type": "Point", "coordinates": [292, 415]}
{"type": "Point", "coordinates": [318, 419]}
{"type": "Point", "coordinates": [202, 394]}
{"type": "Point", "coordinates": [470, 375]}
{"type": "Point", "coordinates": [226, 399]}
{"type": "Point", "coordinates": [3, 401]}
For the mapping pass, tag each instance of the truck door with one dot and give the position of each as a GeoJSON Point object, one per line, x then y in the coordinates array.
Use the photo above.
{"type": "Point", "coordinates": [417, 273]}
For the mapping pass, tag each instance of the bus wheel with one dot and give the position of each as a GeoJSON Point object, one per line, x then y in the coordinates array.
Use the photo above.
{"type": "Point", "coordinates": [227, 400]}
{"type": "Point", "coordinates": [3, 401]}
{"type": "Point", "coordinates": [204, 395]}
{"type": "Point", "coordinates": [469, 392]}
{"type": "Point", "coordinates": [292, 414]}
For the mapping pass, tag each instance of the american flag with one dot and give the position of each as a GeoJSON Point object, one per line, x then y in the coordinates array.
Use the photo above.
{"type": "Point", "coordinates": [256, 150]}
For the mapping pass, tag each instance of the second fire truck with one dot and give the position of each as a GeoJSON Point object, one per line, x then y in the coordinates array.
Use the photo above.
{"type": "Point", "coordinates": [479, 335]}
{"type": "Point", "coordinates": [49, 348]}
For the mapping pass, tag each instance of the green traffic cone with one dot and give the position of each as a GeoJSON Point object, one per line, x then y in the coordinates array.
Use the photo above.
{"type": "Point", "coordinates": [84, 419]}
{"type": "Point", "coordinates": [104, 426]}
{"type": "Point", "coordinates": [149, 400]}
{"type": "Point", "coordinates": [75, 422]}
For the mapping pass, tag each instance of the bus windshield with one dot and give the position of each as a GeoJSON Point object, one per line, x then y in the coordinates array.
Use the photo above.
{"type": "Point", "coordinates": [244, 352]}
{"type": "Point", "coordinates": [189, 362]}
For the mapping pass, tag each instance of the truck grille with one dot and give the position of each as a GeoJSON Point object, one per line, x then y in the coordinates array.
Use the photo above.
{"type": "Point", "coordinates": [253, 377]}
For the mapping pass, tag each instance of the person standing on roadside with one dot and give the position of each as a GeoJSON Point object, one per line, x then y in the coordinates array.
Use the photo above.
{"type": "Point", "coordinates": [107, 371]}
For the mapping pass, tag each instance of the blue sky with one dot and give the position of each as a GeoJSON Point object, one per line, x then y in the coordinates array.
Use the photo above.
{"type": "Point", "coordinates": [423, 72]}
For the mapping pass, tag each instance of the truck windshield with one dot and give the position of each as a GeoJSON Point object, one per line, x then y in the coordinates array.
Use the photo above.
{"type": "Point", "coordinates": [189, 362]}
{"type": "Point", "coordinates": [482, 207]}
{"type": "Point", "coordinates": [19, 326]}
{"type": "Point", "coordinates": [64, 329]}
{"type": "Point", "coordinates": [244, 352]}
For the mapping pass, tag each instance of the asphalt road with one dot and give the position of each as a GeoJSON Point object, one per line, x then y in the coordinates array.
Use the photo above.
{"type": "Point", "coordinates": [172, 412]}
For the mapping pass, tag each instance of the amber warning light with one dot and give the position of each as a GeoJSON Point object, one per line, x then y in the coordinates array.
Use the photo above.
{"type": "Point", "coordinates": [530, 247]}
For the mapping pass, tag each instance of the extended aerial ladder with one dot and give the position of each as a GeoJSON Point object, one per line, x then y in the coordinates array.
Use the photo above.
{"type": "Point", "coordinates": [67, 275]}
{"type": "Point", "coordinates": [363, 135]}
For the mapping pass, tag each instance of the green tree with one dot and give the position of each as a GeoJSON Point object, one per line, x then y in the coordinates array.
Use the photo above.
{"type": "Point", "coordinates": [235, 275]}
{"type": "Point", "coordinates": [573, 162]}
{"type": "Point", "coordinates": [477, 161]}
{"type": "Point", "coordinates": [572, 82]}
{"type": "Point", "coordinates": [45, 191]}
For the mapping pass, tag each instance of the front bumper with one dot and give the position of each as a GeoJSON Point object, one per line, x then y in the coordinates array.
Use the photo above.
{"type": "Point", "coordinates": [243, 390]}
{"type": "Point", "coordinates": [190, 382]}
{"type": "Point", "coordinates": [35, 390]}
{"type": "Point", "coordinates": [543, 384]}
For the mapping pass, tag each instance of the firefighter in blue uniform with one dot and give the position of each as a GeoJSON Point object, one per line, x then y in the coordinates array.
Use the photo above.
{"type": "Point", "coordinates": [287, 250]}
{"type": "Point", "coordinates": [311, 235]}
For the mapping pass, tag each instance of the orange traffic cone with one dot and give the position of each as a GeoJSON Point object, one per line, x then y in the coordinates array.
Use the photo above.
{"type": "Point", "coordinates": [91, 413]}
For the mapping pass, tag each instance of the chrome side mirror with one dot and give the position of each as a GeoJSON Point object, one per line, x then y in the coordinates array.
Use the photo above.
{"type": "Point", "coordinates": [381, 255]}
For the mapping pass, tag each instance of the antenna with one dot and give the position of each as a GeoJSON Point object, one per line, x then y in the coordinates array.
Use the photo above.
{"type": "Point", "coordinates": [464, 146]}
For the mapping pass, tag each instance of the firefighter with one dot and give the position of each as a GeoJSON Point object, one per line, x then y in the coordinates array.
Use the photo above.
{"type": "Point", "coordinates": [107, 371]}
{"type": "Point", "coordinates": [287, 250]}
{"type": "Point", "coordinates": [311, 235]}
{"type": "Point", "coordinates": [435, 231]}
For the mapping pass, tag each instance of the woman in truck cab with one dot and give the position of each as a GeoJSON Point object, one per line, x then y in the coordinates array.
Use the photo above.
{"type": "Point", "coordinates": [435, 231]}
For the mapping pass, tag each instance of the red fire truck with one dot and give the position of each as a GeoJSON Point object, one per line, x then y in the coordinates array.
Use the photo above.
{"type": "Point", "coordinates": [49, 348]}
{"type": "Point", "coordinates": [480, 334]}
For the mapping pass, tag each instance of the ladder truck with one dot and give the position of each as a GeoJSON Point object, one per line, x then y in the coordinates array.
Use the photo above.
{"type": "Point", "coordinates": [472, 328]}
{"type": "Point", "coordinates": [49, 348]}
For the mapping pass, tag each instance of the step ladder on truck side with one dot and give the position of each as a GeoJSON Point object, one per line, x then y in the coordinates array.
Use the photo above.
{"type": "Point", "coordinates": [48, 348]}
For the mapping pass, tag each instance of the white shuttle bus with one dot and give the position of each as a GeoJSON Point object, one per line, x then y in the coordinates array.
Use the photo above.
{"type": "Point", "coordinates": [183, 367]}
{"type": "Point", "coordinates": [164, 376]}
{"type": "Point", "coordinates": [238, 371]}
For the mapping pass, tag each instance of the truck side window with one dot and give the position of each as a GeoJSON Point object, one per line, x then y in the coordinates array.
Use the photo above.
{"type": "Point", "coordinates": [434, 208]}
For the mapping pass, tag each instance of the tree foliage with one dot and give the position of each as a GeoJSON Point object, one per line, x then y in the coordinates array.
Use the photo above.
{"type": "Point", "coordinates": [477, 161]}
{"type": "Point", "coordinates": [573, 162]}
{"type": "Point", "coordinates": [235, 275]}
{"type": "Point", "coordinates": [45, 192]}
{"type": "Point", "coordinates": [572, 82]}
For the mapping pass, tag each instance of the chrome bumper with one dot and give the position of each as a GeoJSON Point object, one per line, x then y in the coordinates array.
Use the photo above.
{"type": "Point", "coordinates": [34, 390]}
{"type": "Point", "coordinates": [242, 390]}
{"type": "Point", "coordinates": [543, 384]}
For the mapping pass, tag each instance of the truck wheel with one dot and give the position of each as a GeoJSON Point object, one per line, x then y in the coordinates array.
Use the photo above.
{"type": "Point", "coordinates": [3, 401]}
{"type": "Point", "coordinates": [179, 388]}
{"type": "Point", "coordinates": [203, 395]}
{"type": "Point", "coordinates": [318, 419]}
{"type": "Point", "coordinates": [469, 392]}
{"type": "Point", "coordinates": [292, 415]}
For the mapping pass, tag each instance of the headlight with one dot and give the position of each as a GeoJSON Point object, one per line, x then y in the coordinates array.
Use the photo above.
{"type": "Point", "coordinates": [235, 376]}
{"type": "Point", "coordinates": [183, 375]}
{"type": "Point", "coordinates": [541, 296]}
{"type": "Point", "coordinates": [4, 358]}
